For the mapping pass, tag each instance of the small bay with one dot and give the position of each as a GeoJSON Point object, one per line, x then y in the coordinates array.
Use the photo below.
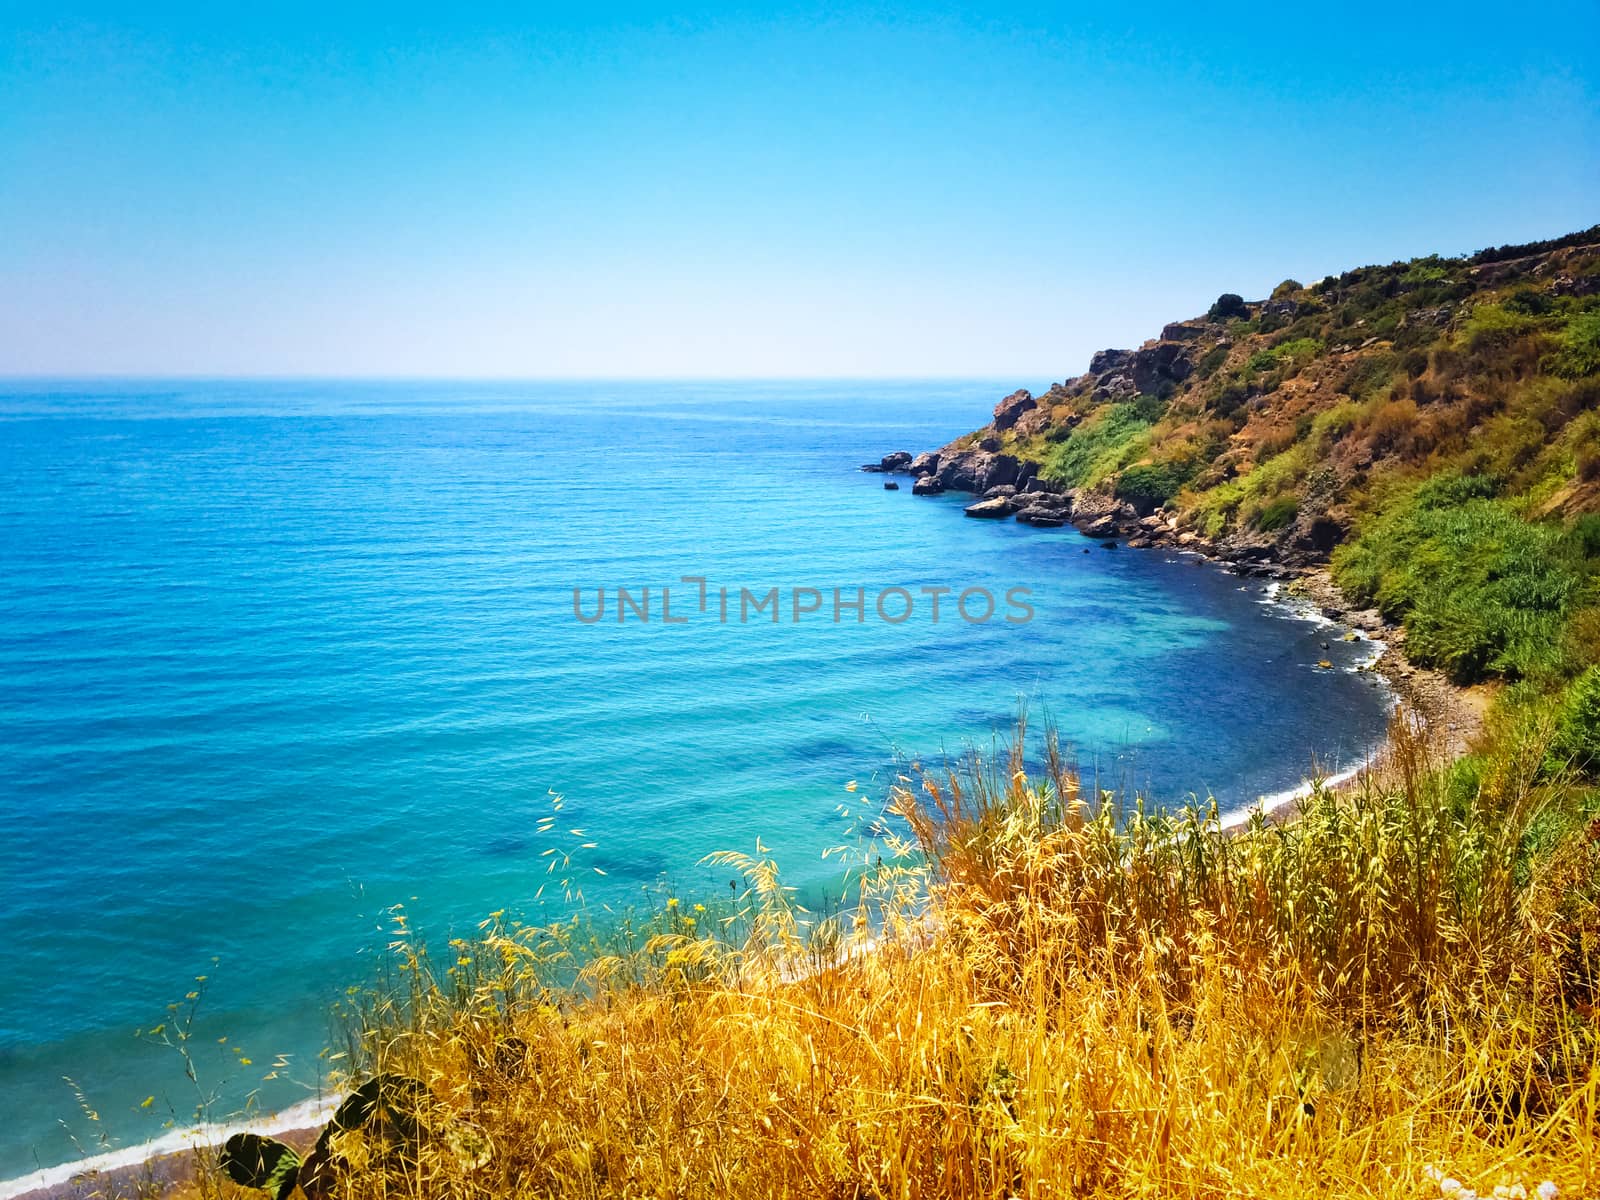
{"type": "Point", "coordinates": [277, 657]}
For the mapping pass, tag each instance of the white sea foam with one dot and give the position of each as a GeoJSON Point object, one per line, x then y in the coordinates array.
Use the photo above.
{"type": "Point", "coordinates": [1302, 610]}
{"type": "Point", "coordinates": [305, 1115]}
{"type": "Point", "coordinates": [1275, 800]}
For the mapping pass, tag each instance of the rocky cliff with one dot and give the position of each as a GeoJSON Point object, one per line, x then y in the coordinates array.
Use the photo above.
{"type": "Point", "coordinates": [1267, 431]}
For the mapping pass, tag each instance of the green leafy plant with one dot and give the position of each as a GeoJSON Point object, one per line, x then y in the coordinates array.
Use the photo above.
{"type": "Point", "coordinates": [1103, 444]}
{"type": "Point", "coordinates": [1228, 306]}
{"type": "Point", "coordinates": [1293, 353]}
{"type": "Point", "coordinates": [1578, 355]}
{"type": "Point", "coordinates": [1578, 726]}
{"type": "Point", "coordinates": [1480, 590]}
{"type": "Point", "coordinates": [1153, 484]}
{"type": "Point", "coordinates": [389, 1114]}
{"type": "Point", "coordinates": [1277, 513]}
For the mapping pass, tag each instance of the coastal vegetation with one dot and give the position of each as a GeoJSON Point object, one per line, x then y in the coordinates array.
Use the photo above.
{"type": "Point", "coordinates": [1035, 990]}
{"type": "Point", "coordinates": [1043, 992]}
{"type": "Point", "coordinates": [1427, 431]}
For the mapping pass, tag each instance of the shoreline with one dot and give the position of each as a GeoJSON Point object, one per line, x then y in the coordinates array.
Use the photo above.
{"type": "Point", "coordinates": [162, 1164]}
{"type": "Point", "coordinates": [1450, 715]}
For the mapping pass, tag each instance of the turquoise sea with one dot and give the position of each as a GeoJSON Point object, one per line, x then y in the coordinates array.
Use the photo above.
{"type": "Point", "coordinates": [275, 657]}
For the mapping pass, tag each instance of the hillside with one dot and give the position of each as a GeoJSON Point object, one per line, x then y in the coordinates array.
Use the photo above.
{"type": "Point", "coordinates": [1390, 418]}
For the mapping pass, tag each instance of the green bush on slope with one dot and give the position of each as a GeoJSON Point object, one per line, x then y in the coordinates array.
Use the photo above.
{"type": "Point", "coordinates": [1153, 483]}
{"type": "Point", "coordinates": [1578, 726]}
{"type": "Point", "coordinates": [1480, 590]}
{"type": "Point", "coordinates": [1579, 352]}
{"type": "Point", "coordinates": [1105, 443]}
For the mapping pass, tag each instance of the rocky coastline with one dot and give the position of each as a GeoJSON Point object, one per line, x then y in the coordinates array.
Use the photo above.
{"type": "Point", "coordinates": [1004, 485]}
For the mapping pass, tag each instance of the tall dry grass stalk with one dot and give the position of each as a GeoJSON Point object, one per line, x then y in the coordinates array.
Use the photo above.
{"type": "Point", "coordinates": [1052, 995]}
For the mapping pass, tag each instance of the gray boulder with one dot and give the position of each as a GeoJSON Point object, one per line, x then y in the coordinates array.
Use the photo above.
{"type": "Point", "coordinates": [1116, 386]}
{"type": "Point", "coordinates": [1110, 360]}
{"type": "Point", "coordinates": [1165, 362]}
{"type": "Point", "coordinates": [898, 461]}
{"type": "Point", "coordinates": [977, 470]}
{"type": "Point", "coordinates": [1033, 422]}
{"type": "Point", "coordinates": [1000, 506]}
{"type": "Point", "coordinates": [1010, 410]}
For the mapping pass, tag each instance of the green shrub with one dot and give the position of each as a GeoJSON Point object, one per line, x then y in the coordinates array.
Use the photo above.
{"type": "Point", "coordinates": [1211, 360]}
{"type": "Point", "coordinates": [1153, 483]}
{"type": "Point", "coordinates": [1578, 727]}
{"type": "Point", "coordinates": [1492, 327]}
{"type": "Point", "coordinates": [1230, 398]}
{"type": "Point", "coordinates": [1480, 590]}
{"type": "Point", "coordinates": [1107, 440]}
{"type": "Point", "coordinates": [1450, 490]}
{"type": "Point", "coordinates": [1332, 424]}
{"type": "Point", "coordinates": [1367, 375]}
{"type": "Point", "coordinates": [1384, 324]}
{"type": "Point", "coordinates": [1296, 352]}
{"type": "Point", "coordinates": [1149, 409]}
{"type": "Point", "coordinates": [1528, 303]}
{"type": "Point", "coordinates": [1585, 535]}
{"type": "Point", "coordinates": [1277, 514]}
{"type": "Point", "coordinates": [1578, 354]}
{"type": "Point", "coordinates": [1425, 270]}
{"type": "Point", "coordinates": [1228, 306]}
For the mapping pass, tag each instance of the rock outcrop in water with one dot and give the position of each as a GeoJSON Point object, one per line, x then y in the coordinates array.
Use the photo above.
{"type": "Point", "coordinates": [897, 461]}
{"type": "Point", "coordinates": [999, 506]}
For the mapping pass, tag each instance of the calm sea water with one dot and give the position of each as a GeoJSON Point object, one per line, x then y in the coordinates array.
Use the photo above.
{"type": "Point", "coordinates": [274, 657]}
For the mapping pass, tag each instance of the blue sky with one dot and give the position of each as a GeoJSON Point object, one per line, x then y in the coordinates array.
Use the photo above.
{"type": "Point", "coordinates": [725, 190]}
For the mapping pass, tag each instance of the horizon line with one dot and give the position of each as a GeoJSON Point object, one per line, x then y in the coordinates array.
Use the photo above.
{"type": "Point", "coordinates": [222, 377]}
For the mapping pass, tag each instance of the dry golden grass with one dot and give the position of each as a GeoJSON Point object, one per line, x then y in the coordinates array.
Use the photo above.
{"type": "Point", "coordinates": [1054, 998]}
